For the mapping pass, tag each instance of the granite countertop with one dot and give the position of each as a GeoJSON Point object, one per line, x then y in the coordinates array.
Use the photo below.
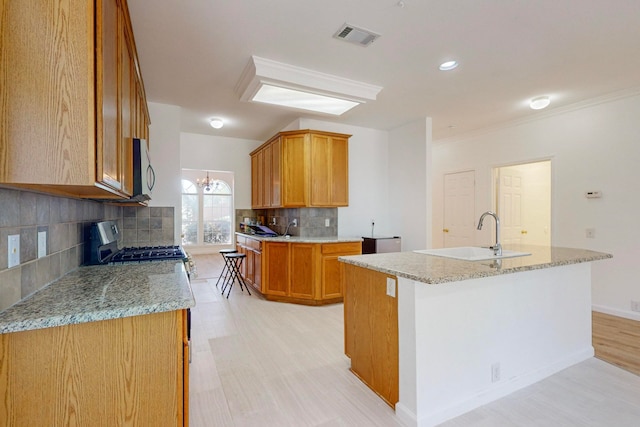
{"type": "Point", "coordinates": [297, 239]}
{"type": "Point", "coordinates": [102, 292]}
{"type": "Point", "coordinates": [433, 269]}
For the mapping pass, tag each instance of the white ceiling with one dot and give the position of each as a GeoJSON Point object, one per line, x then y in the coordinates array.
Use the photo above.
{"type": "Point", "coordinates": [192, 54]}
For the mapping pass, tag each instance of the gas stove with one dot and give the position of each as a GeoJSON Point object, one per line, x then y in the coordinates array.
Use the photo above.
{"type": "Point", "coordinates": [103, 248]}
{"type": "Point", "coordinates": [148, 253]}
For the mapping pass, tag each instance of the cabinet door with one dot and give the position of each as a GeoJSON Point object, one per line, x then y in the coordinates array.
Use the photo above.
{"type": "Point", "coordinates": [256, 174]}
{"type": "Point", "coordinates": [276, 260]}
{"type": "Point", "coordinates": [303, 270]}
{"type": "Point", "coordinates": [126, 108]}
{"type": "Point", "coordinates": [266, 176]}
{"type": "Point", "coordinates": [108, 141]}
{"type": "Point", "coordinates": [331, 272]}
{"type": "Point", "coordinates": [96, 374]}
{"type": "Point", "coordinates": [248, 266]}
{"type": "Point", "coordinates": [294, 169]}
{"type": "Point", "coordinates": [276, 154]}
{"type": "Point", "coordinates": [339, 171]}
{"type": "Point", "coordinates": [47, 133]}
{"type": "Point", "coordinates": [257, 271]}
{"type": "Point", "coordinates": [320, 170]}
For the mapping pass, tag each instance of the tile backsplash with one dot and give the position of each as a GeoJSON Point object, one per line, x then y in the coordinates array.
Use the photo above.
{"type": "Point", "coordinates": [66, 222]}
{"type": "Point", "coordinates": [312, 222]}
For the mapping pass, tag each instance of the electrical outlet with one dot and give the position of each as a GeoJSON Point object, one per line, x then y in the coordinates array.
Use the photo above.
{"type": "Point", "coordinates": [42, 244]}
{"type": "Point", "coordinates": [273, 221]}
{"type": "Point", "coordinates": [295, 222]}
{"type": "Point", "coordinates": [327, 222]}
{"type": "Point", "coordinates": [495, 372]}
{"type": "Point", "coordinates": [391, 287]}
{"type": "Point", "coordinates": [14, 251]}
{"type": "Point", "coordinates": [635, 306]}
{"type": "Point", "coordinates": [590, 233]}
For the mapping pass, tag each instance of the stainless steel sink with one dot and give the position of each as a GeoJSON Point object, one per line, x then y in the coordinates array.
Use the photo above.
{"type": "Point", "coordinates": [471, 253]}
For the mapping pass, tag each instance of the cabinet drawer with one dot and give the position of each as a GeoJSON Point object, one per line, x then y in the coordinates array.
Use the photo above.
{"type": "Point", "coordinates": [339, 248]}
{"type": "Point", "coordinates": [241, 240]}
{"type": "Point", "coordinates": [254, 244]}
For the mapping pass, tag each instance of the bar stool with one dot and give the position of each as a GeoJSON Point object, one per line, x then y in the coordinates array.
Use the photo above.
{"type": "Point", "coordinates": [225, 268]}
{"type": "Point", "coordinates": [234, 261]}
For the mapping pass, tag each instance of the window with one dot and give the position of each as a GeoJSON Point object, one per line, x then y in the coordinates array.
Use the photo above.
{"type": "Point", "coordinates": [190, 213]}
{"type": "Point", "coordinates": [207, 211]}
{"type": "Point", "coordinates": [216, 213]}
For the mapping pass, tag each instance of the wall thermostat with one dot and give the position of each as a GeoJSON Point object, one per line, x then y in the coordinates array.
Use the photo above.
{"type": "Point", "coordinates": [593, 194]}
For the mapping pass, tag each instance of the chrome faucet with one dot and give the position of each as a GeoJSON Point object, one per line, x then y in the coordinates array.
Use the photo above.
{"type": "Point", "coordinates": [497, 248]}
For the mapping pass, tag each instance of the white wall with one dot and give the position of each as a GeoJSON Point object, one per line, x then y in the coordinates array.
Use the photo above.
{"type": "Point", "coordinates": [207, 152]}
{"type": "Point", "coordinates": [164, 142]}
{"type": "Point", "coordinates": [410, 183]}
{"type": "Point", "coordinates": [596, 147]}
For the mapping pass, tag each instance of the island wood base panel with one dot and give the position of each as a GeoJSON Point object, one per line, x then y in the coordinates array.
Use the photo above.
{"type": "Point", "coordinates": [616, 340]}
{"type": "Point", "coordinates": [371, 330]}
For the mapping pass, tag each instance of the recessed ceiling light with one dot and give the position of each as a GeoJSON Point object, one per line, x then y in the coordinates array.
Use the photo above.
{"type": "Point", "coordinates": [539, 103]}
{"type": "Point", "coordinates": [216, 123]}
{"type": "Point", "coordinates": [448, 66]}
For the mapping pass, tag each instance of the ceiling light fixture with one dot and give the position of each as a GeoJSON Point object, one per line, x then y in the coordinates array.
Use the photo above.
{"type": "Point", "coordinates": [285, 85]}
{"type": "Point", "coordinates": [539, 103]}
{"type": "Point", "coordinates": [216, 123]}
{"type": "Point", "coordinates": [207, 183]}
{"type": "Point", "coordinates": [448, 65]}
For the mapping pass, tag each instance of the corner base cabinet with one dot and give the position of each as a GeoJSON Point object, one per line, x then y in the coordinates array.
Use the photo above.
{"type": "Point", "coordinates": [126, 371]}
{"type": "Point", "coordinates": [301, 272]}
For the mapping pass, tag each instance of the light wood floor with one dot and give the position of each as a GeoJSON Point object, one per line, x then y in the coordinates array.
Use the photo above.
{"type": "Point", "coordinates": [260, 363]}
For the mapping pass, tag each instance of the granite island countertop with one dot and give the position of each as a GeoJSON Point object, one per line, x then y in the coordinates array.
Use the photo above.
{"type": "Point", "coordinates": [102, 292]}
{"type": "Point", "coordinates": [434, 269]}
{"type": "Point", "coordinates": [298, 239]}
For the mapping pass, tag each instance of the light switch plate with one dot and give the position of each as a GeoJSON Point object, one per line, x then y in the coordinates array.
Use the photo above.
{"type": "Point", "coordinates": [391, 287]}
{"type": "Point", "coordinates": [13, 251]}
{"type": "Point", "coordinates": [42, 244]}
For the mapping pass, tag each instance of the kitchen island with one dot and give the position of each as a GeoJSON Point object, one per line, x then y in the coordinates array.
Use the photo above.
{"type": "Point", "coordinates": [437, 337]}
{"type": "Point", "coordinates": [93, 346]}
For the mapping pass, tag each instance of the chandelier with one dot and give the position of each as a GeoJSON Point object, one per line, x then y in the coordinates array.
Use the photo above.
{"type": "Point", "coordinates": [208, 183]}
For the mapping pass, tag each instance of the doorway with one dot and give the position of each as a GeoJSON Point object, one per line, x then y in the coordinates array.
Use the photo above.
{"type": "Point", "coordinates": [522, 199]}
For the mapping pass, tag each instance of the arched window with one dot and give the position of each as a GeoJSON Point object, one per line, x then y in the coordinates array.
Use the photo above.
{"type": "Point", "coordinates": [207, 211]}
{"type": "Point", "coordinates": [190, 213]}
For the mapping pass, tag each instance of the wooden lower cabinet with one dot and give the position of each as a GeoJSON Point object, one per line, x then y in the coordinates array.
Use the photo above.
{"type": "Point", "coordinates": [251, 269]}
{"type": "Point", "coordinates": [304, 273]}
{"type": "Point", "coordinates": [371, 330]}
{"type": "Point", "coordinates": [128, 371]}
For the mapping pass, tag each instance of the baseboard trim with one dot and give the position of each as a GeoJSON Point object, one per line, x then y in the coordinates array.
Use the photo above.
{"type": "Point", "coordinates": [626, 314]}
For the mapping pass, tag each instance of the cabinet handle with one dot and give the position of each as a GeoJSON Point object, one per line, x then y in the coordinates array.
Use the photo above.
{"type": "Point", "coordinates": [523, 232]}
{"type": "Point", "coordinates": [446, 230]}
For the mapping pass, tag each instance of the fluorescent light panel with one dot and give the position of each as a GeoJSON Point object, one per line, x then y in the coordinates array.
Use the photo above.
{"type": "Point", "coordinates": [269, 94]}
{"type": "Point", "coordinates": [276, 83]}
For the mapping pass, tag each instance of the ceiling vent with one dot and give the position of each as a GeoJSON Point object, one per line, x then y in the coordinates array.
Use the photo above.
{"type": "Point", "coordinates": [353, 34]}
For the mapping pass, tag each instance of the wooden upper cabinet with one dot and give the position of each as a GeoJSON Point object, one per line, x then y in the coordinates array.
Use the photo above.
{"type": "Point", "coordinates": [307, 169]}
{"type": "Point", "coordinates": [66, 102]}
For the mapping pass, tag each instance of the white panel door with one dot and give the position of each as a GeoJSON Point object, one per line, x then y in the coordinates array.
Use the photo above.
{"type": "Point", "coordinates": [459, 209]}
{"type": "Point", "coordinates": [510, 206]}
